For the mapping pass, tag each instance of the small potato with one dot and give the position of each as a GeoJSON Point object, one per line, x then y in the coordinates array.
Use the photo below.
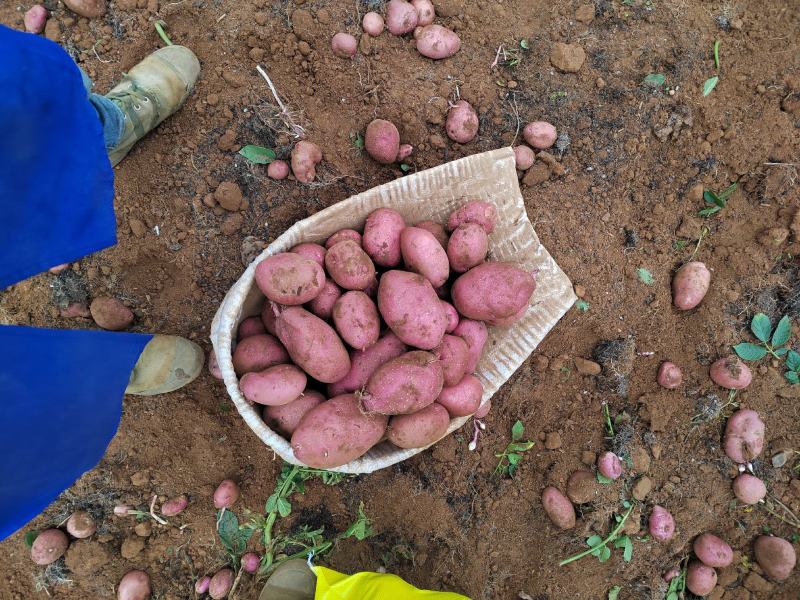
{"type": "Point", "coordinates": [661, 524]}
{"type": "Point", "coordinates": [404, 384]}
{"type": "Point", "coordinates": [269, 314]}
{"type": "Point", "coordinates": [524, 157]}
{"type": "Point", "coordinates": [285, 418]}
{"type": "Point", "coordinates": [744, 436]}
{"type": "Point", "coordinates": [221, 583]}
{"type": "Point", "coordinates": [344, 45]}
{"type": "Point", "coordinates": [482, 213]}
{"type": "Point", "coordinates": [462, 122]}
{"type": "Point", "coordinates": [437, 42]}
{"type": "Point", "coordinates": [81, 525]}
{"type": "Point", "coordinates": [313, 345]}
{"type": "Point", "coordinates": [453, 354]}
{"type": "Point", "coordinates": [363, 364]}
{"type": "Point", "coordinates": [289, 279]}
{"type": "Point", "coordinates": [424, 255]}
{"type": "Point", "coordinates": [226, 494]}
{"type": "Point", "coordinates": [250, 562]}
{"type": "Point", "coordinates": [49, 546]}
{"type": "Point", "coordinates": [405, 151]}
{"type": "Point", "coordinates": [381, 239]}
{"type": "Point", "coordinates": [669, 375]}
{"type": "Point", "coordinates": [463, 398]}
{"type": "Point", "coordinates": [749, 489]}
{"type": "Point", "coordinates": [467, 247]}
{"type": "Point", "coordinates": [419, 429]}
{"type": "Point", "coordinates": [671, 574]}
{"type": "Point", "coordinates": [690, 285]}
{"type": "Point", "coordinates": [452, 316]}
{"type": "Point", "coordinates": [356, 319]}
{"type": "Point", "coordinates": [273, 386]}
{"type": "Point", "coordinates": [202, 584]}
{"type": "Point", "coordinates": [475, 334]}
{"type": "Point", "coordinates": [700, 579]}
{"type": "Point", "coordinates": [382, 141]}
{"type": "Point", "coordinates": [609, 465]}
{"type": "Point", "coordinates": [483, 410]}
{"type": "Point", "coordinates": [425, 11]}
{"type": "Point", "coordinates": [257, 352]}
{"type": "Point", "coordinates": [582, 487]}
{"type": "Point", "coordinates": [411, 309]}
{"type": "Point", "coordinates": [134, 585]}
{"type": "Point", "coordinates": [305, 157]}
{"type": "Point", "coordinates": [311, 251]}
{"type": "Point", "coordinates": [349, 266]}
{"type": "Point", "coordinates": [558, 508]}
{"type": "Point", "coordinates": [436, 229]}
{"type": "Point", "coordinates": [278, 170]}
{"type": "Point", "coordinates": [323, 304]}
{"type": "Point", "coordinates": [341, 236]}
{"type": "Point", "coordinates": [712, 551]}
{"type": "Point", "coordinates": [539, 134]}
{"type": "Point", "coordinates": [730, 373]}
{"type": "Point", "coordinates": [493, 291]}
{"type": "Point", "coordinates": [336, 432]}
{"type": "Point", "coordinates": [35, 19]}
{"type": "Point", "coordinates": [775, 556]}
{"type": "Point", "coordinates": [110, 313]}
{"type": "Point", "coordinates": [401, 17]}
{"type": "Point", "coordinates": [250, 326]}
{"type": "Point", "coordinates": [174, 506]}
{"type": "Point", "coordinates": [372, 24]}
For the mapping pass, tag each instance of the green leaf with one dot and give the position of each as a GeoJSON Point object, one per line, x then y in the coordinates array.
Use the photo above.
{"type": "Point", "coordinates": [782, 331]}
{"type": "Point", "coordinates": [645, 276]}
{"type": "Point", "coordinates": [792, 377]}
{"type": "Point", "coordinates": [228, 529]}
{"type": "Point", "coordinates": [728, 192]}
{"type": "Point", "coordinates": [405, 168]}
{"type": "Point", "coordinates": [613, 593]}
{"type": "Point", "coordinates": [748, 351]}
{"type": "Point", "coordinates": [710, 197]}
{"type": "Point", "coordinates": [582, 305]}
{"type": "Point", "coordinates": [721, 202]}
{"type": "Point", "coordinates": [594, 541]}
{"type": "Point", "coordinates": [793, 360]}
{"type": "Point", "coordinates": [761, 327]}
{"type": "Point", "coordinates": [603, 479]}
{"type": "Point", "coordinates": [605, 554]}
{"type": "Point", "coordinates": [514, 458]}
{"type": "Point", "coordinates": [707, 212]}
{"type": "Point", "coordinates": [781, 351]}
{"type": "Point", "coordinates": [272, 503]}
{"type": "Point", "coordinates": [672, 596]}
{"type": "Point", "coordinates": [30, 537]}
{"type": "Point", "coordinates": [284, 507]}
{"type": "Point", "coordinates": [524, 44]}
{"type": "Point", "coordinates": [716, 54]}
{"type": "Point", "coordinates": [627, 553]}
{"type": "Point", "coordinates": [258, 154]}
{"type": "Point", "coordinates": [710, 84]}
{"type": "Point", "coordinates": [517, 430]}
{"type": "Point", "coordinates": [626, 503]}
{"type": "Point", "coordinates": [520, 446]}
{"type": "Point", "coordinates": [655, 80]}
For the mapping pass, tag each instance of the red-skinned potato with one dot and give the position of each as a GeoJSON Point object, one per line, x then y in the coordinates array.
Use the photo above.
{"type": "Point", "coordinates": [419, 429]}
{"type": "Point", "coordinates": [467, 247]}
{"type": "Point", "coordinates": [382, 141]}
{"type": "Point", "coordinates": [356, 319]}
{"type": "Point", "coordinates": [436, 229]}
{"type": "Point", "coordinates": [437, 42]}
{"type": "Point", "coordinates": [134, 585]}
{"type": "Point", "coordinates": [336, 432]}
{"type": "Point", "coordinates": [381, 239]}
{"type": "Point", "coordinates": [749, 489]}
{"type": "Point", "coordinates": [425, 11]}
{"type": "Point", "coordinates": [285, 419]}
{"type": "Point", "coordinates": [412, 310]}
{"type": "Point", "coordinates": [510, 320]}
{"type": "Point", "coordinates": [405, 151]}
{"type": "Point", "coordinates": [775, 556]}
{"type": "Point", "coordinates": [313, 345]}
{"type": "Point", "coordinates": [35, 19]}
{"type": "Point", "coordinates": [463, 398]}
{"type": "Point", "coordinates": [213, 365]}
{"type": "Point", "coordinates": [305, 157]}
{"type": "Point", "coordinates": [482, 213]}
{"type": "Point", "coordinates": [671, 574]}
{"type": "Point", "coordinates": [341, 236]}
{"type": "Point", "coordinates": [273, 386]}
{"type": "Point", "coordinates": [221, 583]}
{"type": "Point", "coordinates": [609, 465]}
{"type": "Point", "coordinates": [493, 291]}
{"type": "Point", "coordinates": [257, 352]}
{"type": "Point", "coordinates": [311, 251]}
{"type": "Point", "coordinates": [744, 436]}
{"type": "Point", "coordinates": [700, 579]}
{"type": "Point", "coordinates": [174, 506]}
{"type": "Point", "coordinates": [404, 384]}
{"type": "Point", "coordinates": [81, 525]}
{"type": "Point", "coordinates": [423, 254]}
{"type": "Point", "coordinates": [669, 375]}
{"type": "Point", "coordinates": [401, 17]}
{"type": "Point", "coordinates": [372, 24]}
{"type": "Point", "coordinates": [712, 551]}
{"type": "Point", "coordinates": [462, 122]}
{"type": "Point", "coordinates": [250, 326]}
{"type": "Point", "coordinates": [661, 524]}
{"type": "Point", "coordinates": [363, 364]}
{"type": "Point", "coordinates": [349, 266]}
{"type": "Point", "coordinates": [452, 353]}
{"type": "Point", "coordinates": [278, 170]}
{"type": "Point", "coordinates": [524, 157]}
{"type": "Point", "coordinates": [558, 508]}
{"type": "Point", "coordinates": [690, 285]}
{"type": "Point", "coordinates": [475, 334]}
{"type": "Point", "coordinates": [540, 134]}
{"type": "Point", "coordinates": [452, 316]}
{"type": "Point", "coordinates": [323, 304]}
{"type": "Point", "coordinates": [730, 373]}
{"type": "Point", "coordinates": [202, 584]}
{"type": "Point", "coordinates": [269, 314]}
{"type": "Point", "coordinates": [344, 45]}
{"type": "Point", "coordinates": [250, 562]}
{"type": "Point", "coordinates": [226, 494]}
{"type": "Point", "coordinates": [483, 409]}
{"type": "Point", "coordinates": [288, 278]}
{"type": "Point", "coordinates": [49, 546]}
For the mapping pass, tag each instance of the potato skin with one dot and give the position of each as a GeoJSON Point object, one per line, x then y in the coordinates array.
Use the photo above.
{"type": "Point", "coordinates": [475, 334]}
{"type": "Point", "coordinates": [411, 309]}
{"type": "Point", "coordinates": [419, 429]}
{"type": "Point", "coordinates": [221, 583]}
{"type": "Point", "coordinates": [423, 254]}
{"type": "Point", "coordinates": [425, 11]}
{"type": "Point", "coordinates": [382, 141]}
{"type": "Point", "coordinates": [404, 384]}
{"type": "Point", "coordinates": [323, 304]}
{"type": "Point", "coordinates": [453, 354]}
{"type": "Point", "coordinates": [524, 157]}
{"type": "Point", "coordinates": [749, 489]}
{"type": "Point", "coordinates": [401, 17]}
{"type": "Point", "coordinates": [80, 525]}
{"type": "Point", "coordinates": [700, 579]}
{"type": "Point", "coordinates": [493, 291]}
{"type": "Point", "coordinates": [540, 134]}
{"type": "Point", "coordinates": [349, 266]}
{"type": "Point", "coordinates": [174, 506]}
{"type": "Point", "coordinates": [372, 24]}
{"type": "Point", "coordinates": [609, 465]}
{"type": "Point", "coordinates": [356, 319]}
{"type": "Point", "coordinates": [305, 157]}
{"type": "Point", "coordinates": [340, 236]}
{"type": "Point", "coordinates": [730, 373]}
{"type": "Point", "coordinates": [336, 432]}
{"type": "Point", "coordinates": [775, 556]}
{"type": "Point", "coordinates": [49, 546]}
{"type": "Point", "coordinates": [273, 386]}
{"type": "Point", "coordinates": [744, 436]}
{"type": "Point", "coordinates": [463, 398]}
{"type": "Point", "coordinates": [669, 376]}
{"type": "Point", "coordinates": [278, 170]}
{"type": "Point", "coordinates": [257, 352]}
{"type": "Point", "coordinates": [558, 508]}
{"type": "Point", "coordinates": [690, 285]}
{"type": "Point", "coordinates": [363, 364]}
{"type": "Point", "coordinates": [250, 326]}
{"type": "Point", "coordinates": [313, 345]}
{"type": "Point", "coordinates": [226, 494]}
{"type": "Point", "coordinates": [462, 122]}
{"type": "Point", "coordinates": [437, 230]}
{"type": "Point", "coordinates": [381, 239]}
{"type": "Point", "coordinates": [712, 551]}
{"type": "Point", "coordinates": [452, 316]}
{"type": "Point", "coordinates": [285, 418]}
{"type": "Point", "coordinates": [269, 314]}
{"type": "Point", "coordinates": [289, 279]}
{"type": "Point", "coordinates": [437, 42]}
{"type": "Point", "coordinates": [134, 585]}
{"type": "Point", "coordinates": [482, 213]}
{"type": "Point", "coordinates": [661, 524]}
{"type": "Point", "coordinates": [344, 45]}
{"type": "Point", "coordinates": [467, 247]}
{"type": "Point", "coordinates": [311, 251]}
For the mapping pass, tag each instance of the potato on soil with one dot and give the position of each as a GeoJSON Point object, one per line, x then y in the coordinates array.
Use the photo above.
{"type": "Point", "coordinates": [475, 334]}
{"type": "Point", "coordinates": [437, 42]}
{"type": "Point", "coordinates": [730, 373]}
{"type": "Point", "coordinates": [288, 278]}
{"type": "Point", "coordinates": [202, 584]}
{"type": "Point", "coordinates": [744, 436]}
{"type": "Point", "coordinates": [311, 251]}
{"type": "Point", "coordinates": [372, 24]}
{"type": "Point", "coordinates": [401, 17]}
{"type": "Point", "coordinates": [382, 141]}
{"type": "Point", "coordinates": [134, 585]}
{"type": "Point", "coordinates": [257, 352]}
{"type": "Point", "coordinates": [524, 157]}
{"type": "Point", "coordinates": [250, 562]}
{"type": "Point", "coordinates": [226, 494]}
{"type": "Point", "coordinates": [464, 398]}
{"type": "Point", "coordinates": [412, 310]}
{"type": "Point", "coordinates": [221, 583]}
{"type": "Point", "coordinates": [462, 122]}
{"type": "Point", "coordinates": [356, 319]}
{"type": "Point", "coordinates": [467, 247]}
{"type": "Point", "coordinates": [344, 45]}
{"type": "Point", "coordinates": [285, 418]}
{"type": "Point", "coordinates": [250, 326]}
{"type": "Point", "coordinates": [81, 525]}
{"type": "Point", "coordinates": [609, 465]}
{"type": "Point", "coordinates": [336, 432]}
{"type": "Point", "coordinates": [363, 363]}
{"type": "Point", "coordinates": [349, 266]}
{"type": "Point", "coordinates": [423, 254]}
{"type": "Point", "coordinates": [558, 508]}
{"type": "Point", "coordinates": [419, 429]}
{"type": "Point", "coordinates": [453, 354]}
{"type": "Point", "coordinates": [540, 134]}
{"type": "Point", "coordinates": [278, 170]}
{"type": "Point", "coordinates": [749, 489]}
{"type": "Point", "coordinates": [700, 579]}
{"type": "Point", "coordinates": [49, 546]}
{"type": "Point", "coordinates": [323, 304]}
{"type": "Point", "coordinates": [669, 375]}
{"type": "Point", "coordinates": [174, 506]}
{"type": "Point", "coordinates": [661, 524]}
{"type": "Point", "coordinates": [305, 157]}
{"type": "Point", "coordinates": [425, 11]}
{"type": "Point", "coordinates": [273, 386]}
{"type": "Point", "coordinates": [313, 345]}
{"type": "Point", "coordinates": [35, 19]}
{"type": "Point", "coordinates": [582, 487]}
{"type": "Point", "coordinates": [381, 239]}
{"type": "Point", "coordinates": [712, 551]}
{"type": "Point", "coordinates": [452, 316]}
{"type": "Point", "coordinates": [404, 384]}
{"type": "Point", "coordinates": [482, 213]}
{"type": "Point", "coordinates": [110, 313]}
{"type": "Point", "coordinates": [775, 556]}
{"type": "Point", "coordinates": [436, 229]}
{"type": "Point", "coordinates": [493, 291]}
{"type": "Point", "coordinates": [690, 285]}
{"type": "Point", "coordinates": [341, 236]}
{"type": "Point", "coordinates": [405, 151]}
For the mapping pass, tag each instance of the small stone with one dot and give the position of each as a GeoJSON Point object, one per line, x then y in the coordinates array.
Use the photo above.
{"type": "Point", "coordinates": [695, 193]}
{"type": "Point", "coordinates": [568, 58]}
{"type": "Point", "coordinates": [779, 460]}
{"type": "Point", "coordinates": [585, 13]}
{"type": "Point", "coordinates": [229, 196]}
{"type": "Point", "coordinates": [143, 529]}
{"type": "Point", "coordinates": [587, 367]}
{"type": "Point", "coordinates": [727, 576]}
{"type": "Point", "coordinates": [756, 583]}
{"type": "Point", "coordinates": [257, 54]}
{"type": "Point", "coordinates": [52, 30]}
{"type": "Point", "coordinates": [580, 291]}
{"type": "Point", "coordinates": [642, 488]}
{"type": "Point", "coordinates": [772, 237]}
{"type": "Point", "coordinates": [437, 141]}
{"type": "Point", "coordinates": [131, 547]}
{"type": "Point", "coordinates": [540, 363]}
{"type": "Point", "coordinates": [137, 227]}
{"type": "Point", "coordinates": [552, 441]}
{"type": "Point", "coordinates": [232, 224]}
{"type": "Point", "coordinates": [600, 83]}
{"type": "Point", "coordinates": [110, 313]}
{"type": "Point", "coordinates": [227, 142]}
{"type": "Point", "coordinates": [212, 99]}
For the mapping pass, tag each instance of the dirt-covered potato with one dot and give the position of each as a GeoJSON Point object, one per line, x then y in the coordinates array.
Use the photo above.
{"type": "Point", "coordinates": [174, 506]}
{"type": "Point", "coordinates": [81, 525]}
{"type": "Point", "coordinates": [749, 489]}
{"type": "Point", "coordinates": [475, 334]}
{"type": "Point", "coordinates": [744, 436]}
{"type": "Point", "coordinates": [341, 236]}
{"type": "Point", "coordinates": [423, 254]}
{"type": "Point", "coordinates": [356, 319]}
{"type": "Point", "coordinates": [775, 556]}
{"type": "Point", "coordinates": [463, 398]}
{"type": "Point", "coordinates": [712, 551]}
{"type": "Point", "coordinates": [419, 429]}
{"type": "Point", "coordinates": [467, 247]}
{"type": "Point", "coordinates": [558, 508]}
{"type": "Point", "coordinates": [313, 345]}
{"type": "Point", "coordinates": [257, 352]}
{"type": "Point", "coordinates": [344, 45]}
{"type": "Point", "coordinates": [372, 24]}
{"type": "Point", "coordinates": [412, 310]}
{"type": "Point", "coordinates": [226, 494]}
{"type": "Point", "coordinates": [381, 239]}
{"type": "Point", "coordinates": [669, 375]}
{"type": "Point", "coordinates": [462, 122]}
{"type": "Point", "coordinates": [482, 213]}
{"type": "Point", "coordinates": [363, 363]}
{"type": "Point", "coordinates": [288, 278]}
{"type": "Point", "coordinates": [134, 585]}
{"type": "Point", "coordinates": [49, 546]}
{"type": "Point", "coordinates": [690, 285]}
{"type": "Point", "coordinates": [382, 141]}
{"type": "Point", "coordinates": [322, 305]}
{"type": "Point", "coordinates": [349, 266]}
{"type": "Point", "coordinates": [437, 42]}
{"type": "Point", "coordinates": [401, 17]}
{"type": "Point", "coordinates": [731, 373]}
{"type": "Point", "coordinates": [609, 465]}
{"type": "Point", "coordinates": [493, 291]}
{"type": "Point", "coordinates": [453, 354]}
{"type": "Point", "coordinates": [436, 229]}
{"type": "Point", "coordinates": [661, 524]}
{"type": "Point", "coordinates": [273, 386]}
{"type": "Point", "coordinates": [221, 583]}
{"type": "Point", "coordinates": [540, 134]}
{"type": "Point", "coordinates": [201, 585]}
{"type": "Point", "coordinates": [336, 432]}
{"type": "Point", "coordinates": [305, 157]}
{"type": "Point", "coordinates": [524, 157]}
{"type": "Point", "coordinates": [404, 384]}
{"type": "Point", "coordinates": [110, 313]}
{"type": "Point", "coordinates": [311, 251]}
{"type": "Point", "coordinates": [285, 419]}
{"type": "Point", "coordinates": [700, 579]}
{"type": "Point", "coordinates": [425, 11]}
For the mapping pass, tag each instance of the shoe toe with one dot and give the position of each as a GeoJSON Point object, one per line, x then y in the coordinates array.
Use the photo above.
{"type": "Point", "coordinates": [183, 61]}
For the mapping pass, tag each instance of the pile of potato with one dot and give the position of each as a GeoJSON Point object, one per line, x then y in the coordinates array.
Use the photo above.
{"type": "Point", "coordinates": [376, 335]}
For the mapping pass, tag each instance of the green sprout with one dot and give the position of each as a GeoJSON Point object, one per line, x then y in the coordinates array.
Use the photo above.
{"type": "Point", "coordinates": [716, 201]}
{"type": "Point", "coordinates": [599, 547]}
{"type": "Point", "coordinates": [512, 455]}
{"type": "Point", "coordinates": [654, 80]}
{"type": "Point", "coordinates": [711, 82]}
{"type": "Point", "coordinates": [160, 27]}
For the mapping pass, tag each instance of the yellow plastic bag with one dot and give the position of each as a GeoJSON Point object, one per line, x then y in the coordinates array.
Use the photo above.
{"type": "Point", "coordinates": [371, 586]}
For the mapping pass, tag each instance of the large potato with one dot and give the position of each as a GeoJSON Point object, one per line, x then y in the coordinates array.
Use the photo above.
{"type": "Point", "coordinates": [475, 334]}
{"type": "Point", "coordinates": [540, 134]}
{"type": "Point", "coordinates": [313, 345]}
{"type": "Point", "coordinates": [336, 432]}
{"type": "Point", "coordinates": [690, 285]}
{"type": "Point", "coordinates": [712, 551]}
{"type": "Point", "coordinates": [493, 291]}
{"type": "Point", "coordinates": [425, 11]}
{"type": "Point", "coordinates": [467, 247]}
{"type": "Point", "coordinates": [257, 352]}
{"type": "Point", "coordinates": [482, 213]}
{"type": "Point", "coordinates": [423, 254]}
{"type": "Point", "coordinates": [356, 319]}
{"type": "Point", "coordinates": [401, 17]}
{"type": "Point", "coordinates": [749, 489]}
{"type": "Point", "coordinates": [323, 304]}
{"type": "Point", "coordinates": [775, 556]}
{"type": "Point", "coordinates": [250, 326]}
{"type": "Point", "coordinates": [744, 436]}
{"type": "Point", "coordinates": [412, 310]}
{"type": "Point", "coordinates": [49, 546]}
{"type": "Point", "coordinates": [437, 42]}
{"type": "Point", "coordinates": [463, 398]}
{"type": "Point", "coordinates": [285, 418]}
{"type": "Point", "coordinates": [382, 141]}
{"type": "Point", "coordinates": [453, 354]}
{"type": "Point", "coordinates": [288, 278]}
{"type": "Point", "coordinates": [404, 384]}
{"type": "Point", "coordinates": [273, 386]}
{"type": "Point", "coordinates": [305, 156]}
{"type": "Point", "coordinates": [419, 429]}
{"type": "Point", "coordinates": [462, 122]}
{"type": "Point", "coordinates": [349, 266]}
{"type": "Point", "coordinates": [344, 45]}
{"type": "Point", "coordinates": [700, 579]}
{"type": "Point", "coordinates": [381, 239]}
{"type": "Point", "coordinates": [558, 508]}
{"type": "Point", "coordinates": [363, 364]}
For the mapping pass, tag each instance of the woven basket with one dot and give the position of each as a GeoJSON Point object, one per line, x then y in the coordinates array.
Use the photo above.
{"type": "Point", "coordinates": [431, 194]}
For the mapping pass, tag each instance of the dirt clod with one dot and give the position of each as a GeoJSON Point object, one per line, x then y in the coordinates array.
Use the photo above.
{"type": "Point", "coordinates": [568, 58]}
{"type": "Point", "coordinates": [642, 488]}
{"type": "Point", "coordinates": [229, 196]}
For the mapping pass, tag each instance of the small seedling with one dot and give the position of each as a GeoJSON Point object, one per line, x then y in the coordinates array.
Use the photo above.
{"type": "Point", "coordinates": [716, 201]}
{"type": "Point", "coordinates": [716, 54]}
{"type": "Point", "coordinates": [405, 168]}
{"type": "Point", "coordinates": [711, 82]}
{"type": "Point", "coordinates": [512, 455]}
{"type": "Point", "coordinates": [357, 140]}
{"type": "Point", "coordinates": [772, 342]}
{"type": "Point", "coordinates": [677, 586]}
{"type": "Point", "coordinates": [599, 547]}
{"type": "Point", "coordinates": [613, 593]}
{"type": "Point", "coordinates": [654, 80]}
{"type": "Point", "coordinates": [645, 276]}
{"type": "Point", "coordinates": [609, 424]}
{"type": "Point", "coordinates": [679, 244]}
{"type": "Point", "coordinates": [512, 57]}
{"type": "Point", "coordinates": [582, 305]}
{"type": "Point", "coordinates": [160, 27]}
{"type": "Point", "coordinates": [258, 154]}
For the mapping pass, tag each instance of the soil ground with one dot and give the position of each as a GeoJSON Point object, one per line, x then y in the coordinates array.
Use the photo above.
{"type": "Point", "coordinates": [634, 172]}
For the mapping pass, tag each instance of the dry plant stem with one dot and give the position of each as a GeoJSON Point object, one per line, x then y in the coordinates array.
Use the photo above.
{"type": "Point", "coordinates": [297, 131]}
{"type": "Point", "coordinates": [791, 519]}
{"type": "Point", "coordinates": [232, 593]}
